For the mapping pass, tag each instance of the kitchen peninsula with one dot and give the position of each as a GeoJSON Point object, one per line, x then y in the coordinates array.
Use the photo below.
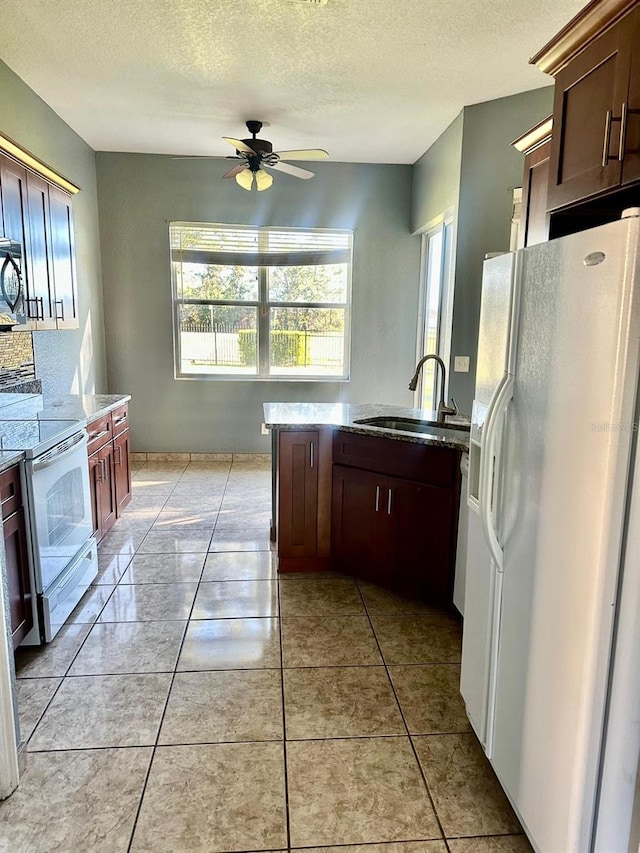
{"type": "Point", "coordinates": [377, 502]}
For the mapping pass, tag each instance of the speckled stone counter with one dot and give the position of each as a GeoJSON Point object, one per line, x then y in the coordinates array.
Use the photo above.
{"type": "Point", "coordinates": [81, 408]}
{"type": "Point", "coordinates": [287, 416]}
{"type": "Point", "coordinates": [9, 458]}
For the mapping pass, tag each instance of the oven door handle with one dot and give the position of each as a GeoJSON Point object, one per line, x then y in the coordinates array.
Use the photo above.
{"type": "Point", "coordinates": [55, 454]}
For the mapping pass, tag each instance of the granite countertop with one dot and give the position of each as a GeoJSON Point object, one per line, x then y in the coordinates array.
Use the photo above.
{"type": "Point", "coordinates": [344, 415]}
{"type": "Point", "coordinates": [64, 407]}
{"type": "Point", "coordinates": [9, 458]}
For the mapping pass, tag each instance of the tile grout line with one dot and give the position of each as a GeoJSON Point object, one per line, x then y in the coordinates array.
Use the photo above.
{"type": "Point", "coordinates": [413, 749]}
{"type": "Point", "coordinates": [164, 711]}
{"type": "Point", "coordinates": [284, 720]}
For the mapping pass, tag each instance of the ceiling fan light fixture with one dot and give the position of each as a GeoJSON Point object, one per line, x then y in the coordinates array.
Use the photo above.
{"type": "Point", "coordinates": [263, 180]}
{"type": "Point", "coordinates": [245, 179]}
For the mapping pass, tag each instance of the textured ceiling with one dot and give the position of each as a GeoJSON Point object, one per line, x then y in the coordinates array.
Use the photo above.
{"type": "Point", "coordinates": [369, 80]}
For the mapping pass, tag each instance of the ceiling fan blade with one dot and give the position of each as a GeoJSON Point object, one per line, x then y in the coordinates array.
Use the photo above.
{"type": "Point", "coordinates": [236, 170]}
{"type": "Point", "coordinates": [290, 170]}
{"type": "Point", "coordinates": [263, 180]}
{"type": "Point", "coordinates": [239, 145]}
{"type": "Point", "coordinates": [303, 154]}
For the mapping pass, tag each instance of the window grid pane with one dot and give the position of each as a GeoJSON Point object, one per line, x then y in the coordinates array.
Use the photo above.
{"type": "Point", "coordinates": [223, 339]}
{"type": "Point", "coordinates": [237, 319]}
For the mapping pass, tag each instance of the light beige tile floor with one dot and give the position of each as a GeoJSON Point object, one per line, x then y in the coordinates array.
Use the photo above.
{"type": "Point", "coordinates": [198, 702]}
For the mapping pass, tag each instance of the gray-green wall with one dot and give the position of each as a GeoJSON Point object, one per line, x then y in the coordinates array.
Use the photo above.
{"type": "Point", "coordinates": [140, 194]}
{"type": "Point", "coordinates": [472, 169]}
{"type": "Point", "coordinates": [436, 177]}
{"type": "Point", "coordinates": [67, 361]}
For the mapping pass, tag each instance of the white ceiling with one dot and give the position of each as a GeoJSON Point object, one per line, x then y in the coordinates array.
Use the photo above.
{"type": "Point", "coordinates": [370, 80]}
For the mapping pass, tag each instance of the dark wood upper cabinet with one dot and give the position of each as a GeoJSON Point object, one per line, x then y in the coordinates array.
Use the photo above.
{"type": "Point", "coordinates": [13, 188]}
{"type": "Point", "coordinates": [39, 259]}
{"type": "Point", "coordinates": [40, 217]}
{"type": "Point", "coordinates": [631, 164]}
{"type": "Point", "coordinates": [535, 144]}
{"type": "Point", "coordinates": [63, 255]}
{"type": "Point", "coordinates": [597, 92]}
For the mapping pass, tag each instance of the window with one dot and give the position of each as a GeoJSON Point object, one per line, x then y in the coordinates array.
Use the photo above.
{"type": "Point", "coordinates": [260, 303]}
{"type": "Point", "coordinates": [435, 328]}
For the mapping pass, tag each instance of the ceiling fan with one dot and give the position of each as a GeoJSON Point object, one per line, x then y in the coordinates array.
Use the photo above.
{"type": "Point", "coordinates": [256, 154]}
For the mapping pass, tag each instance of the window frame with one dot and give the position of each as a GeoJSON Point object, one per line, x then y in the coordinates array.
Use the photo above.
{"type": "Point", "coordinates": [263, 312]}
{"type": "Point", "coordinates": [445, 224]}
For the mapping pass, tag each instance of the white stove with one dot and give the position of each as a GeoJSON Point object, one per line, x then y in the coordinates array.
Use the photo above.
{"type": "Point", "coordinates": [63, 549]}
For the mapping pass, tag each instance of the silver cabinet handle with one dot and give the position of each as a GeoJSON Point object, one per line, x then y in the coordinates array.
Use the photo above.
{"type": "Point", "coordinates": [311, 455]}
{"type": "Point", "coordinates": [389, 502]}
{"type": "Point", "coordinates": [623, 130]}
{"type": "Point", "coordinates": [377, 498]}
{"type": "Point", "coordinates": [60, 302]}
{"type": "Point", "coordinates": [607, 138]}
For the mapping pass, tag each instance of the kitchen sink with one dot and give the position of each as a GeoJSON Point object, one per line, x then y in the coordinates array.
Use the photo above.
{"type": "Point", "coordinates": [409, 424]}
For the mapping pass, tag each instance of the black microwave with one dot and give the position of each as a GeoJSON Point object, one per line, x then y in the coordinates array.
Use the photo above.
{"type": "Point", "coordinates": [12, 301]}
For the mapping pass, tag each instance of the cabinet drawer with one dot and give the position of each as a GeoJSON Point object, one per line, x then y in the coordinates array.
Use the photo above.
{"type": "Point", "coordinates": [100, 431]}
{"type": "Point", "coordinates": [422, 463]}
{"type": "Point", "coordinates": [120, 419]}
{"type": "Point", "coordinates": [10, 491]}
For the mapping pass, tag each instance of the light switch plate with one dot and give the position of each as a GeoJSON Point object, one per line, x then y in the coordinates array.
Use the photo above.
{"type": "Point", "coordinates": [264, 430]}
{"type": "Point", "coordinates": [461, 364]}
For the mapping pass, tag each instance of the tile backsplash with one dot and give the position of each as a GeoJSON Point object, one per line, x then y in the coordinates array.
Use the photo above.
{"type": "Point", "coordinates": [17, 361]}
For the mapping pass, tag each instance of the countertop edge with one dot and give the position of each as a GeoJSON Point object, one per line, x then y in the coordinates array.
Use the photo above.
{"type": "Point", "coordinates": [379, 432]}
{"type": "Point", "coordinates": [356, 418]}
{"type": "Point", "coordinates": [9, 458]}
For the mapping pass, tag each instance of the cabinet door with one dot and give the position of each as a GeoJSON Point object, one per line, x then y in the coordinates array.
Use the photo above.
{"type": "Point", "coordinates": [107, 488]}
{"type": "Point", "coordinates": [41, 292]}
{"type": "Point", "coordinates": [13, 185]}
{"type": "Point", "coordinates": [18, 576]}
{"type": "Point", "coordinates": [298, 494]}
{"type": "Point", "coordinates": [589, 94]}
{"type": "Point", "coordinates": [102, 484]}
{"type": "Point", "coordinates": [631, 142]}
{"type": "Point", "coordinates": [95, 473]}
{"type": "Point", "coordinates": [122, 469]}
{"type": "Point", "coordinates": [424, 522]}
{"type": "Point", "coordinates": [360, 529]}
{"type": "Point", "coordinates": [63, 259]}
{"type": "Point", "coordinates": [535, 187]}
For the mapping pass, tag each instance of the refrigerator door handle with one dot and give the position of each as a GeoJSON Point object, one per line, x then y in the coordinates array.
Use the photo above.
{"type": "Point", "coordinates": [490, 472]}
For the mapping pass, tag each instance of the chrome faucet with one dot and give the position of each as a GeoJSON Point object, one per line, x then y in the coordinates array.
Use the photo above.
{"type": "Point", "coordinates": [443, 409]}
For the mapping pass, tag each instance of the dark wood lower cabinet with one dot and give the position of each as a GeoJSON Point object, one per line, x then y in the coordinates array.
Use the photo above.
{"type": "Point", "coordinates": [304, 500]}
{"type": "Point", "coordinates": [17, 555]}
{"type": "Point", "coordinates": [362, 540]}
{"type": "Point", "coordinates": [122, 471]}
{"type": "Point", "coordinates": [425, 524]}
{"type": "Point", "coordinates": [109, 468]}
{"type": "Point", "coordinates": [103, 493]}
{"type": "Point", "coordinates": [18, 576]}
{"type": "Point", "coordinates": [393, 531]}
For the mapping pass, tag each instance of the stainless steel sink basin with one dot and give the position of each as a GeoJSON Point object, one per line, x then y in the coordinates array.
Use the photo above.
{"type": "Point", "coordinates": [408, 424]}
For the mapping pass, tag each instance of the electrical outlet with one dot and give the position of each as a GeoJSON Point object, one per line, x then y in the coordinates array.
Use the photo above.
{"type": "Point", "coordinates": [264, 430]}
{"type": "Point", "coordinates": [461, 364]}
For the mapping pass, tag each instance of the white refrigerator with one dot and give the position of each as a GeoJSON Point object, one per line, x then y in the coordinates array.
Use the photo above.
{"type": "Point", "coordinates": [551, 639]}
